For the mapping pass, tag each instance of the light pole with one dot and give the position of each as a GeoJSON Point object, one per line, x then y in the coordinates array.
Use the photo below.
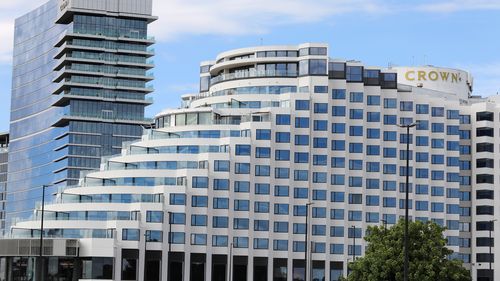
{"type": "Point", "coordinates": [145, 254]}
{"type": "Point", "coordinates": [307, 238]}
{"type": "Point", "coordinates": [354, 243]}
{"type": "Point", "coordinates": [169, 244]}
{"type": "Point", "coordinates": [40, 268]}
{"type": "Point", "coordinates": [490, 244]}
{"type": "Point", "coordinates": [407, 199]}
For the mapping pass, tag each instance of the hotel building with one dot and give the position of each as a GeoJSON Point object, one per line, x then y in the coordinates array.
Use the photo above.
{"type": "Point", "coordinates": [281, 145]}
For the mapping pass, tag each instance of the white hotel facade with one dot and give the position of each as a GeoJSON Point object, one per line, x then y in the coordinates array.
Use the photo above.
{"type": "Point", "coordinates": [274, 129]}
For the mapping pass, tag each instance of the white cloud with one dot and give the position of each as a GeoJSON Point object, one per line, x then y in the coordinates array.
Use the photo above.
{"type": "Point", "coordinates": [230, 17]}
{"type": "Point", "coordinates": [9, 11]}
{"type": "Point", "coordinates": [450, 6]}
{"type": "Point", "coordinates": [486, 77]}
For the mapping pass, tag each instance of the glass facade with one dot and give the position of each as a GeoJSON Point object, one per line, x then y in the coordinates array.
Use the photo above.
{"type": "Point", "coordinates": [75, 99]}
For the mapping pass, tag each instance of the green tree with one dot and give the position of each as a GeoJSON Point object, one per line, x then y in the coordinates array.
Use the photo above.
{"type": "Point", "coordinates": [384, 257]}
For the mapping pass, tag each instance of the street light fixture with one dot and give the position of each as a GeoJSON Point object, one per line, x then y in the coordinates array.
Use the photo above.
{"type": "Point", "coordinates": [490, 244]}
{"type": "Point", "coordinates": [40, 268]}
{"type": "Point", "coordinates": [307, 239]}
{"type": "Point", "coordinates": [407, 199]}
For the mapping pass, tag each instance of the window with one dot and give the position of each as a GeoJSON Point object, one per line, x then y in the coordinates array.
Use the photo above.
{"type": "Point", "coordinates": [356, 114]}
{"type": "Point", "coordinates": [301, 175]}
{"type": "Point", "coordinates": [241, 205]}
{"type": "Point", "coordinates": [484, 116]}
{"type": "Point", "coordinates": [338, 162]}
{"type": "Point", "coordinates": [280, 245]}
{"type": "Point", "coordinates": [390, 103]}
{"type": "Point", "coordinates": [177, 218]}
{"type": "Point", "coordinates": [129, 234]}
{"type": "Point", "coordinates": [243, 149]}
{"type": "Point", "coordinates": [301, 140]}
{"type": "Point", "coordinates": [438, 111]}
{"type": "Point", "coordinates": [337, 196]}
{"type": "Point", "coordinates": [301, 122]}
{"type": "Point", "coordinates": [337, 214]}
{"type": "Point", "coordinates": [154, 216]}
{"type": "Point", "coordinates": [262, 188]}
{"type": "Point", "coordinates": [198, 239]}
{"type": "Point", "coordinates": [390, 119]}
{"type": "Point", "coordinates": [355, 164]}
{"type": "Point", "coordinates": [221, 203]}
{"type": "Point", "coordinates": [355, 215]}
{"type": "Point", "coordinates": [261, 225]}
{"type": "Point", "coordinates": [372, 200]}
{"type": "Point", "coordinates": [262, 152]}
{"type": "Point", "coordinates": [321, 108]}
{"type": "Point", "coordinates": [336, 231]}
{"type": "Point", "coordinates": [220, 222]}
{"type": "Point", "coordinates": [389, 202]}
{"type": "Point", "coordinates": [177, 199]}
{"type": "Point", "coordinates": [355, 198]}
{"type": "Point", "coordinates": [373, 100]}
{"type": "Point", "coordinates": [390, 136]}
{"type": "Point", "coordinates": [319, 177]}
{"type": "Point", "coordinates": [242, 186]}
{"type": "Point", "coordinates": [282, 119]}
{"type": "Point", "coordinates": [319, 195]}
{"type": "Point", "coordinates": [221, 184]}
{"type": "Point", "coordinates": [262, 170]}
{"type": "Point", "coordinates": [282, 173]}
{"type": "Point", "coordinates": [281, 190]}
{"type": "Point", "coordinates": [422, 109]}
{"type": "Point", "coordinates": [282, 155]}
{"type": "Point", "coordinates": [354, 73]}
{"type": "Point", "coordinates": [221, 166]}
{"type": "Point", "coordinates": [280, 227]}
{"type": "Point", "coordinates": [337, 179]}
{"type": "Point", "coordinates": [339, 111]}
{"type": "Point", "coordinates": [242, 168]}
{"type": "Point", "coordinates": [200, 182]}
{"type": "Point", "coordinates": [373, 116]}
{"type": "Point", "coordinates": [356, 147]}
{"type": "Point", "coordinates": [263, 134]}
{"type": "Point", "coordinates": [219, 241]}
{"type": "Point", "coordinates": [198, 220]}
{"type": "Point", "coordinates": [356, 97]}
{"type": "Point", "coordinates": [319, 160]}
{"type": "Point", "coordinates": [302, 105]}
{"type": "Point", "coordinates": [321, 89]}
{"type": "Point", "coordinates": [373, 133]}
{"type": "Point", "coordinates": [406, 106]}
{"type": "Point", "coordinates": [356, 130]}
{"type": "Point", "coordinates": [261, 207]}
{"type": "Point", "coordinates": [300, 192]}
{"type": "Point", "coordinates": [373, 150]}
{"type": "Point", "coordinates": [338, 94]}
{"type": "Point", "coordinates": [338, 128]}
{"type": "Point", "coordinates": [281, 209]}
{"type": "Point", "coordinates": [260, 243]}
{"type": "Point", "coordinates": [320, 125]}
{"type": "Point", "coordinates": [199, 201]}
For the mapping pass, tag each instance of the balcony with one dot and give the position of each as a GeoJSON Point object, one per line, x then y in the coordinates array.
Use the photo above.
{"type": "Point", "coordinates": [252, 74]}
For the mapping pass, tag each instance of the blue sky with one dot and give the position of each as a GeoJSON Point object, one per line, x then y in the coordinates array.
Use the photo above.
{"type": "Point", "coordinates": [451, 33]}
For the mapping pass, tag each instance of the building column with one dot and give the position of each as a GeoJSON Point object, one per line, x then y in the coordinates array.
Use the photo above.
{"type": "Point", "coordinates": [249, 267]}
{"type": "Point", "coordinates": [187, 267]}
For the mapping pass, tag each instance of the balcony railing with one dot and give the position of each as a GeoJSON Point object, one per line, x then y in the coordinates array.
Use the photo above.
{"type": "Point", "coordinates": [253, 74]}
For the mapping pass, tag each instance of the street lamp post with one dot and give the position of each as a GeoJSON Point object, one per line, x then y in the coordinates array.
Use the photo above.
{"type": "Point", "coordinates": [145, 254]}
{"type": "Point", "coordinates": [407, 196]}
{"type": "Point", "coordinates": [307, 239]}
{"type": "Point", "coordinates": [169, 244]}
{"type": "Point", "coordinates": [353, 243]}
{"type": "Point", "coordinates": [490, 244]}
{"type": "Point", "coordinates": [40, 268]}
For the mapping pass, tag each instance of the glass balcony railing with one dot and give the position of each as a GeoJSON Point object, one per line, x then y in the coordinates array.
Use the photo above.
{"type": "Point", "coordinates": [253, 74]}
{"type": "Point", "coordinates": [108, 117]}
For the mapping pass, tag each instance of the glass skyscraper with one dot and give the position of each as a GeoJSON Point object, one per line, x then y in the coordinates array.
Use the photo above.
{"type": "Point", "coordinates": [79, 87]}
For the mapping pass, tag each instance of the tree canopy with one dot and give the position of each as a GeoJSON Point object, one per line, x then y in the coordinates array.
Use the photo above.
{"type": "Point", "coordinates": [384, 256]}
